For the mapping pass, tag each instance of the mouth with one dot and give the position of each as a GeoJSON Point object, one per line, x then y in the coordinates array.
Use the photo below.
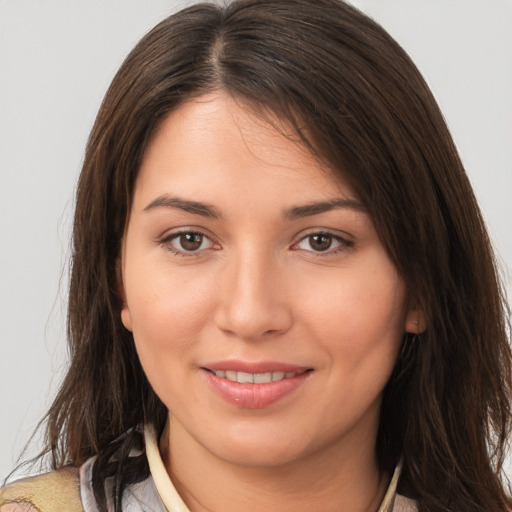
{"type": "Point", "coordinates": [254, 385]}
{"type": "Point", "coordinates": [255, 378]}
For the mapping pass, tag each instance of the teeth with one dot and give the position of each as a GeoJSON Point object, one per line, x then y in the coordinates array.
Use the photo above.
{"type": "Point", "coordinates": [253, 378]}
{"type": "Point", "coordinates": [231, 375]}
{"type": "Point", "coordinates": [262, 378]}
{"type": "Point", "coordinates": [245, 378]}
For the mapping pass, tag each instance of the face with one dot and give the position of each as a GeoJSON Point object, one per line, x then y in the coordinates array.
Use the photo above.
{"type": "Point", "coordinates": [265, 310]}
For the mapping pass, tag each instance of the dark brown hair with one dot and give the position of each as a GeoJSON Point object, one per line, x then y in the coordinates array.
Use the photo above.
{"type": "Point", "coordinates": [357, 102]}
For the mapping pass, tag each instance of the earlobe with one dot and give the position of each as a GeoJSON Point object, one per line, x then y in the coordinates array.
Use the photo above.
{"type": "Point", "coordinates": [415, 322]}
{"type": "Point", "coordinates": [126, 317]}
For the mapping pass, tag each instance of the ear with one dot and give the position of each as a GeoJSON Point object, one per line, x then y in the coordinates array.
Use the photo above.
{"type": "Point", "coordinates": [126, 318]}
{"type": "Point", "coordinates": [415, 321]}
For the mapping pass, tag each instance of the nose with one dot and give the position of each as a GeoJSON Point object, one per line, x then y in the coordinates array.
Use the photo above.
{"type": "Point", "coordinates": [253, 299]}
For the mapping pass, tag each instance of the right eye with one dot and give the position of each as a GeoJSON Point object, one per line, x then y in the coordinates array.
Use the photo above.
{"type": "Point", "coordinates": [187, 242]}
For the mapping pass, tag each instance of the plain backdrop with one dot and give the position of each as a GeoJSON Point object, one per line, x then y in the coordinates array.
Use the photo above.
{"type": "Point", "coordinates": [57, 58]}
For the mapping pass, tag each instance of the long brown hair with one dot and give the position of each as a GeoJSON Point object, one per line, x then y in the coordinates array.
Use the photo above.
{"type": "Point", "coordinates": [356, 101]}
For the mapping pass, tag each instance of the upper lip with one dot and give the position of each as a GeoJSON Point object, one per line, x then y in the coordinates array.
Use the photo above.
{"type": "Point", "coordinates": [255, 367]}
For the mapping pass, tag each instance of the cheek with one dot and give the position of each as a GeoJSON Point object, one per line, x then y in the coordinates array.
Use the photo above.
{"type": "Point", "coordinates": [168, 312]}
{"type": "Point", "coordinates": [358, 330]}
{"type": "Point", "coordinates": [359, 316]}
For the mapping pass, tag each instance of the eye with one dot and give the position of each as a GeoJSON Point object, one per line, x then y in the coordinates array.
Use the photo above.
{"type": "Point", "coordinates": [188, 242]}
{"type": "Point", "coordinates": [323, 242]}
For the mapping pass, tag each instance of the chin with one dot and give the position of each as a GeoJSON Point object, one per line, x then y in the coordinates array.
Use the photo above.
{"type": "Point", "coordinates": [265, 455]}
{"type": "Point", "coordinates": [261, 448]}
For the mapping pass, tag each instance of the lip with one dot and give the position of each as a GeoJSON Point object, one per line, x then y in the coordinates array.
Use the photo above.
{"type": "Point", "coordinates": [254, 396]}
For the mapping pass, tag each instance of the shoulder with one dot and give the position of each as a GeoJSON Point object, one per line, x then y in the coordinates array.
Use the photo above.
{"type": "Point", "coordinates": [51, 492]}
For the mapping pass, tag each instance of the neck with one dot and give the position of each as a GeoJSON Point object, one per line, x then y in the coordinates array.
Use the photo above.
{"type": "Point", "coordinates": [344, 477]}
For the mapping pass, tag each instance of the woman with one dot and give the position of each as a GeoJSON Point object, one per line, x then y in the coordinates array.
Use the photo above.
{"type": "Point", "coordinates": [283, 296]}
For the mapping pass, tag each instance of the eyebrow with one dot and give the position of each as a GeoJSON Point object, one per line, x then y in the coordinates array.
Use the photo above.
{"type": "Point", "coordinates": [296, 212]}
{"type": "Point", "coordinates": [315, 208]}
{"type": "Point", "coordinates": [195, 207]}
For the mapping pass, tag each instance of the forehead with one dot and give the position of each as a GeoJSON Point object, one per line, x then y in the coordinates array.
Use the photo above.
{"type": "Point", "coordinates": [214, 145]}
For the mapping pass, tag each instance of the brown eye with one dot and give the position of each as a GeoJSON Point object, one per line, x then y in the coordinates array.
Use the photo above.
{"type": "Point", "coordinates": [188, 242]}
{"type": "Point", "coordinates": [320, 242]}
{"type": "Point", "coordinates": [323, 242]}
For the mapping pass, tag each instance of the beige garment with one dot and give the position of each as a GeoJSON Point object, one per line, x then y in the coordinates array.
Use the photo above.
{"type": "Point", "coordinates": [57, 491]}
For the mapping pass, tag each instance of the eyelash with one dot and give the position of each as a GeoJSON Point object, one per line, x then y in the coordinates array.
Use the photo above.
{"type": "Point", "coordinates": [344, 244]}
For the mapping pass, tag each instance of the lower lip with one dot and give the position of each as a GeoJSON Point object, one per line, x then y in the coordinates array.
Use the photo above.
{"type": "Point", "coordinates": [254, 396]}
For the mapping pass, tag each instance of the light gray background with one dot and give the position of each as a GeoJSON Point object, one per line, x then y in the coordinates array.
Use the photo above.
{"type": "Point", "coordinates": [56, 60]}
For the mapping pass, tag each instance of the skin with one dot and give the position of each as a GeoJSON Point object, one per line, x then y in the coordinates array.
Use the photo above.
{"type": "Point", "coordinates": [258, 289]}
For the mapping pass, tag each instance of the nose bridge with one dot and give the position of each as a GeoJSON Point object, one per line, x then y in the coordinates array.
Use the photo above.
{"type": "Point", "coordinates": [252, 299]}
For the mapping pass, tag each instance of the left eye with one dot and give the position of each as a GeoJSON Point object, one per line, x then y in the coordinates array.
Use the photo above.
{"type": "Point", "coordinates": [190, 241]}
{"type": "Point", "coordinates": [319, 242]}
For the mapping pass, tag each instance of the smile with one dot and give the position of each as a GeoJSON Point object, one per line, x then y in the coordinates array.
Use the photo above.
{"type": "Point", "coordinates": [259, 386]}
{"type": "Point", "coordinates": [254, 378]}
